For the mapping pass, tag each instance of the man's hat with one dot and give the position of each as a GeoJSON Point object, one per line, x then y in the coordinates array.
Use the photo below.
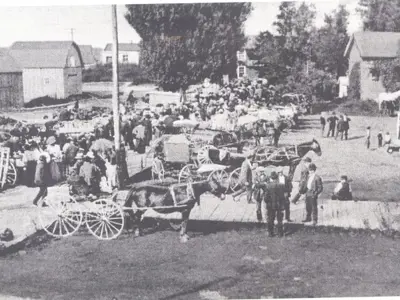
{"type": "Point", "coordinates": [307, 159]}
{"type": "Point", "coordinates": [274, 175]}
{"type": "Point", "coordinates": [312, 167]}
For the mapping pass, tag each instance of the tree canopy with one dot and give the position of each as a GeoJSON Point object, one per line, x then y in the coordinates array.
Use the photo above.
{"type": "Point", "coordinates": [380, 15]}
{"type": "Point", "coordinates": [184, 43]}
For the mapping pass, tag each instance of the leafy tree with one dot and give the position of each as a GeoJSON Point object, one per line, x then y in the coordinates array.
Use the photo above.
{"type": "Point", "coordinates": [184, 43]}
{"type": "Point", "coordinates": [354, 79]}
{"type": "Point", "coordinates": [380, 15]}
{"type": "Point", "coordinates": [329, 42]}
{"type": "Point", "coordinates": [389, 70]}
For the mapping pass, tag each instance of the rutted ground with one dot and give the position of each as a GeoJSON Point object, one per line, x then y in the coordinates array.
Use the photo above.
{"type": "Point", "coordinates": [231, 264]}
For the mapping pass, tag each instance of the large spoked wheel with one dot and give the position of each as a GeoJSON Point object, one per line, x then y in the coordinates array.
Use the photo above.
{"type": "Point", "coordinates": [157, 170]}
{"type": "Point", "coordinates": [203, 157]}
{"type": "Point", "coordinates": [187, 173]}
{"type": "Point", "coordinates": [221, 176]}
{"type": "Point", "coordinates": [234, 180]}
{"type": "Point", "coordinates": [107, 221]}
{"type": "Point", "coordinates": [60, 217]}
{"type": "Point", "coordinates": [11, 178]}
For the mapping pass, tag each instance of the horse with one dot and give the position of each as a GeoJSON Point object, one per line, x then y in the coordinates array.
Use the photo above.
{"type": "Point", "coordinates": [387, 97]}
{"type": "Point", "coordinates": [281, 158]}
{"type": "Point", "coordinates": [163, 199]}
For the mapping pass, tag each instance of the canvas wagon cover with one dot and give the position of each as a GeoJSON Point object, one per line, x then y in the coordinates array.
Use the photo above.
{"type": "Point", "coordinates": [176, 149]}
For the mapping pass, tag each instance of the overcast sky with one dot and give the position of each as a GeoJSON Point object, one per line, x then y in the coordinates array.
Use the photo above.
{"type": "Point", "coordinates": [92, 23]}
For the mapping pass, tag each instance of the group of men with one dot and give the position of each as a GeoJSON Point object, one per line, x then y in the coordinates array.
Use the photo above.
{"type": "Point", "coordinates": [275, 191]}
{"type": "Point", "coordinates": [340, 125]}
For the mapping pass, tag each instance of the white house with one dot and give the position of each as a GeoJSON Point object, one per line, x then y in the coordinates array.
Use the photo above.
{"type": "Point", "coordinates": [52, 69]}
{"type": "Point", "coordinates": [245, 61]}
{"type": "Point", "coordinates": [128, 53]}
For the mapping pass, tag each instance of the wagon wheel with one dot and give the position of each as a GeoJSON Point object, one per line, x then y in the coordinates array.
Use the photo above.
{"type": "Point", "coordinates": [107, 222]}
{"type": "Point", "coordinates": [234, 183]}
{"type": "Point", "coordinates": [60, 217]}
{"type": "Point", "coordinates": [187, 173]}
{"type": "Point", "coordinates": [157, 170]}
{"type": "Point", "coordinates": [11, 176]}
{"type": "Point", "coordinates": [202, 155]}
{"type": "Point", "coordinates": [220, 176]}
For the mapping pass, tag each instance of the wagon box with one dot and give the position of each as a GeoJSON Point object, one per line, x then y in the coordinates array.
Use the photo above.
{"type": "Point", "coordinates": [176, 149]}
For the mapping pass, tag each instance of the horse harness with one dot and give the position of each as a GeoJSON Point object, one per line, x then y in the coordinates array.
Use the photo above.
{"type": "Point", "coordinates": [189, 193]}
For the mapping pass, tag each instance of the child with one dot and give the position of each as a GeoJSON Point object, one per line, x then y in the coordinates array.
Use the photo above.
{"type": "Point", "coordinates": [380, 137]}
{"type": "Point", "coordinates": [368, 140]}
{"type": "Point", "coordinates": [342, 190]}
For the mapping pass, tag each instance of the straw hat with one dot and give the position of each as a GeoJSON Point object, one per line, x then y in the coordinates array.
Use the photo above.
{"type": "Point", "coordinates": [90, 154]}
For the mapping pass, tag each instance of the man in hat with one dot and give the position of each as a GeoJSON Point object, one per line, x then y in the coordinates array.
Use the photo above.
{"type": "Point", "coordinates": [332, 124]}
{"type": "Point", "coordinates": [275, 200]}
{"type": "Point", "coordinates": [284, 180]}
{"type": "Point", "coordinates": [303, 180]}
{"type": "Point", "coordinates": [314, 188]}
{"type": "Point", "coordinates": [90, 173]}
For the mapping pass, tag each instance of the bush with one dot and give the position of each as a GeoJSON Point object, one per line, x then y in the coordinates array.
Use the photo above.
{"type": "Point", "coordinates": [47, 101]}
{"type": "Point", "coordinates": [127, 73]}
{"type": "Point", "coordinates": [354, 85]}
{"type": "Point", "coordinates": [359, 108]}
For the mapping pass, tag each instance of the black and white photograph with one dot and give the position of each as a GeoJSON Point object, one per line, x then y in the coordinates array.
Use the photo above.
{"type": "Point", "coordinates": [199, 150]}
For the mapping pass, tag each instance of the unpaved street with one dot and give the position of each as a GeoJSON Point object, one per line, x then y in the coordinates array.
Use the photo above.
{"type": "Point", "coordinates": [233, 264]}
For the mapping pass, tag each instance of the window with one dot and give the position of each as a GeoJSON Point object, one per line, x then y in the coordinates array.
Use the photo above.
{"type": "Point", "coordinates": [109, 59]}
{"type": "Point", "coordinates": [241, 55]}
{"type": "Point", "coordinates": [374, 74]}
{"type": "Point", "coordinates": [124, 58]}
{"type": "Point", "coordinates": [46, 81]}
{"type": "Point", "coordinates": [242, 71]}
{"type": "Point", "coordinates": [72, 62]}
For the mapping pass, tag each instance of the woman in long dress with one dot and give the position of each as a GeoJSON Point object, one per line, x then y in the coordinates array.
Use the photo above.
{"type": "Point", "coordinates": [55, 153]}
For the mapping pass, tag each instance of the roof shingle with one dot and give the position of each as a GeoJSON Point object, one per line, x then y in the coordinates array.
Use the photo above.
{"type": "Point", "coordinates": [375, 44]}
{"type": "Point", "coordinates": [124, 47]}
{"type": "Point", "coordinates": [51, 54]}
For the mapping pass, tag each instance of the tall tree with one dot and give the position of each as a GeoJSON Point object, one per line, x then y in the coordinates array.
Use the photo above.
{"type": "Point", "coordinates": [184, 43]}
{"type": "Point", "coordinates": [329, 42]}
{"type": "Point", "coordinates": [380, 15]}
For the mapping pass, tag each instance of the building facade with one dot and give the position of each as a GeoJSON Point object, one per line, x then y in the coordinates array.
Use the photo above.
{"type": "Point", "coordinates": [11, 86]}
{"type": "Point", "coordinates": [362, 51]}
{"type": "Point", "coordinates": [128, 53]}
{"type": "Point", "coordinates": [52, 69]}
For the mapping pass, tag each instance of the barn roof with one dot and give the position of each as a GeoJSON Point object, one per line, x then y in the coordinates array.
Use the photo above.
{"type": "Point", "coordinates": [87, 54]}
{"type": "Point", "coordinates": [124, 47]}
{"type": "Point", "coordinates": [375, 44]}
{"type": "Point", "coordinates": [8, 64]}
{"type": "Point", "coordinates": [51, 54]}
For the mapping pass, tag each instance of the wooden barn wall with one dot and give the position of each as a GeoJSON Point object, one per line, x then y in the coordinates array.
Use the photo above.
{"type": "Point", "coordinates": [11, 90]}
{"type": "Point", "coordinates": [43, 82]}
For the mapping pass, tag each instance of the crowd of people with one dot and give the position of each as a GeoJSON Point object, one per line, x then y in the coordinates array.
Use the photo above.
{"type": "Point", "coordinates": [339, 125]}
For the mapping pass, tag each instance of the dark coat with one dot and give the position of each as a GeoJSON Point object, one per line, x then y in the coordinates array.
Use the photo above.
{"type": "Point", "coordinates": [42, 175]}
{"type": "Point", "coordinates": [316, 186]}
{"type": "Point", "coordinates": [275, 196]}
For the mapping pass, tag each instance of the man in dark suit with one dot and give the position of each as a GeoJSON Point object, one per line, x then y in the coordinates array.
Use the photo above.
{"type": "Point", "coordinates": [275, 200]}
{"type": "Point", "coordinates": [283, 179]}
{"type": "Point", "coordinates": [314, 188]}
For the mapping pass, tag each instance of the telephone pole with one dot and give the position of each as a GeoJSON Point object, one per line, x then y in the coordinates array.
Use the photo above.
{"type": "Point", "coordinates": [121, 155]}
{"type": "Point", "coordinates": [72, 33]}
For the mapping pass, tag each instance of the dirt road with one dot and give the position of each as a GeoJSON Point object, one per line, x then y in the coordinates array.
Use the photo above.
{"type": "Point", "coordinates": [233, 264]}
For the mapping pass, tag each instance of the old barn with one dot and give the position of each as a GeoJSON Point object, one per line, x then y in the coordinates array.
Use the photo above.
{"type": "Point", "coordinates": [11, 89]}
{"type": "Point", "coordinates": [51, 69]}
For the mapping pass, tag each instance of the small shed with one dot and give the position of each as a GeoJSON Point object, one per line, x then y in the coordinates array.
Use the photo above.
{"type": "Point", "coordinates": [11, 87]}
{"type": "Point", "coordinates": [52, 69]}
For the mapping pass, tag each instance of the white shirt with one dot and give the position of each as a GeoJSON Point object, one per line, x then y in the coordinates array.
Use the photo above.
{"type": "Point", "coordinates": [339, 187]}
{"type": "Point", "coordinates": [310, 179]}
{"type": "Point", "coordinates": [281, 179]}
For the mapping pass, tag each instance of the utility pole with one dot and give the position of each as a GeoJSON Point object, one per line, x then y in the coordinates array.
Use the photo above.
{"type": "Point", "coordinates": [72, 33]}
{"type": "Point", "coordinates": [121, 156]}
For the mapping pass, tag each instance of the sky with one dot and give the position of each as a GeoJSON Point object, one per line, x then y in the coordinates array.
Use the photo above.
{"type": "Point", "coordinates": [91, 23]}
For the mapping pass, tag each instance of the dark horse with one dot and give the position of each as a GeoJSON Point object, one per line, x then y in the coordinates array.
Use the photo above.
{"type": "Point", "coordinates": [164, 197]}
{"type": "Point", "coordinates": [286, 156]}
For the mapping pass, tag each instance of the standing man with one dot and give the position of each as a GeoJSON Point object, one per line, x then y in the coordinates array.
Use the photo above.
{"type": "Point", "coordinates": [340, 128]}
{"type": "Point", "coordinates": [246, 180]}
{"type": "Point", "coordinates": [288, 190]}
{"type": "Point", "coordinates": [314, 188]}
{"type": "Point", "coordinates": [303, 180]}
{"type": "Point", "coordinates": [275, 200]}
{"type": "Point", "coordinates": [346, 126]}
{"type": "Point", "coordinates": [332, 124]}
{"type": "Point", "coordinates": [323, 123]}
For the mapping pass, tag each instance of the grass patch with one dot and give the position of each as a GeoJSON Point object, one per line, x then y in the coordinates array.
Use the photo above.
{"type": "Point", "coordinates": [359, 108]}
